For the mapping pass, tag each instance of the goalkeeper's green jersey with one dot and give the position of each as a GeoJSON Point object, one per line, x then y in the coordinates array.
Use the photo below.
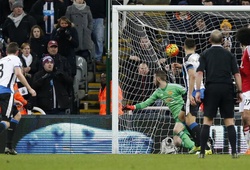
{"type": "Point", "coordinates": [172, 97]}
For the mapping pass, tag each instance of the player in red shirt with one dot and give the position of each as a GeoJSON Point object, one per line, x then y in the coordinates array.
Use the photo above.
{"type": "Point", "coordinates": [243, 36]}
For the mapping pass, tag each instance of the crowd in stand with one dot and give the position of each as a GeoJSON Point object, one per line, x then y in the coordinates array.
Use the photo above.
{"type": "Point", "coordinates": [58, 30]}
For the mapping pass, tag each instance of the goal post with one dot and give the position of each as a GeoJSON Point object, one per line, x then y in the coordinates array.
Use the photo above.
{"type": "Point", "coordinates": [158, 30]}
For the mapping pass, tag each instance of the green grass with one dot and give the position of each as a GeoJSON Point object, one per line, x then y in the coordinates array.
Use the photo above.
{"type": "Point", "coordinates": [121, 162]}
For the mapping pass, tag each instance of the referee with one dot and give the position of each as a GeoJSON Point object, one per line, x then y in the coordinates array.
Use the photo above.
{"type": "Point", "coordinates": [219, 65]}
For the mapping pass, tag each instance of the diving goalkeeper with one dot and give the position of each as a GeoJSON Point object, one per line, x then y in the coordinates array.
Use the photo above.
{"type": "Point", "coordinates": [171, 94]}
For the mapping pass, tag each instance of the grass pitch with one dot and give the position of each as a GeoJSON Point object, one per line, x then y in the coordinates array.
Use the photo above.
{"type": "Point", "coordinates": [121, 162]}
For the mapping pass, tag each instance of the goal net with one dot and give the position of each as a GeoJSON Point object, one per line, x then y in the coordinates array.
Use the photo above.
{"type": "Point", "coordinates": [140, 35]}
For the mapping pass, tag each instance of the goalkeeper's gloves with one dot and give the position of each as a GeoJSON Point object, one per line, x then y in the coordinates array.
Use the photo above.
{"type": "Point", "coordinates": [128, 107]}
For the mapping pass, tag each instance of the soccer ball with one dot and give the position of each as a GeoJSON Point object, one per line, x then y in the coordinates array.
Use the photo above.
{"type": "Point", "coordinates": [172, 50]}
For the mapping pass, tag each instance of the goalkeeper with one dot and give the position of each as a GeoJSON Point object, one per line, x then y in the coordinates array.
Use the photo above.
{"type": "Point", "coordinates": [171, 94]}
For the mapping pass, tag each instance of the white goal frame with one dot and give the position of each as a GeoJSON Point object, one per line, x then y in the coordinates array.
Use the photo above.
{"type": "Point", "coordinates": [115, 47]}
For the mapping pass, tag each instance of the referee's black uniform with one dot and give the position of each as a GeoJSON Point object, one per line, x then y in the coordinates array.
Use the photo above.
{"type": "Point", "coordinates": [219, 65]}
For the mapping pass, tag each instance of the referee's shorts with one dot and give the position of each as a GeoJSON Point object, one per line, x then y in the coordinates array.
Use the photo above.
{"type": "Point", "coordinates": [218, 95]}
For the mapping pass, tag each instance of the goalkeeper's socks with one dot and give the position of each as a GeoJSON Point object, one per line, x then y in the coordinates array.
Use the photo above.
{"type": "Point", "coordinates": [232, 137]}
{"type": "Point", "coordinates": [195, 132]}
{"type": "Point", "coordinates": [204, 137]}
{"type": "Point", "coordinates": [3, 126]}
{"type": "Point", "coordinates": [186, 141]}
{"type": "Point", "coordinates": [11, 132]}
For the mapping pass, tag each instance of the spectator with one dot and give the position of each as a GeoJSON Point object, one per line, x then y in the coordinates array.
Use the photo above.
{"type": "Point", "coordinates": [46, 13]}
{"type": "Point", "coordinates": [51, 85]}
{"type": "Point", "coordinates": [79, 13]}
{"type": "Point", "coordinates": [102, 96]}
{"type": "Point", "coordinates": [201, 25]}
{"type": "Point", "coordinates": [37, 41]}
{"type": "Point", "coordinates": [219, 92]}
{"type": "Point", "coordinates": [229, 41]}
{"type": "Point", "coordinates": [142, 52]}
{"type": "Point", "coordinates": [60, 62]}
{"type": "Point", "coordinates": [226, 27]}
{"type": "Point", "coordinates": [66, 36]}
{"type": "Point", "coordinates": [7, 6]}
{"type": "Point", "coordinates": [30, 64]}
{"type": "Point", "coordinates": [138, 83]}
{"type": "Point", "coordinates": [98, 9]}
{"type": "Point", "coordinates": [17, 26]}
{"type": "Point", "coordinates": [202, 37]}
{"type": "Point", "coordinates": [29, 60]}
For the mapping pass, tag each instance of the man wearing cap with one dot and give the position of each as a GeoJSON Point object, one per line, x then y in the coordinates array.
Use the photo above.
{"type": "Point", "coordinates": [17, 26]}
{"type": "Point", "coordinates": [61, 63]}
{"type": "Point", "coordinates": [51, 86]}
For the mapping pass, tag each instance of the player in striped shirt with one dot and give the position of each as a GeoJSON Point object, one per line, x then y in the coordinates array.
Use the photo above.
{"type": "Point", "coordinates": [189, 66]}
{"type": "Point", "coordinates": [10, 69]}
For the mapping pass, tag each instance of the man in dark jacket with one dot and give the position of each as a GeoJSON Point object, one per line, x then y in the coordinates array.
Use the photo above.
{"type": "Point", "coordinates": [51, 85]}
{"type": "Point", "coordinates": [17, 26]}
